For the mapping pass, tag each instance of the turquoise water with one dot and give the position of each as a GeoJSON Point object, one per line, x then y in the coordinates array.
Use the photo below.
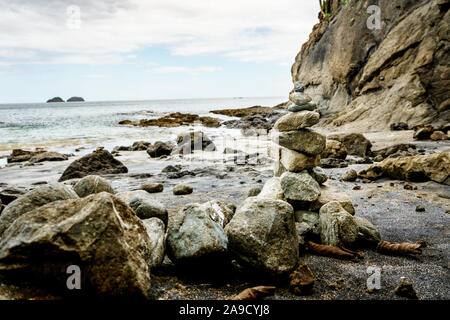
{"type": "Point", "coordinates": [62, 125]}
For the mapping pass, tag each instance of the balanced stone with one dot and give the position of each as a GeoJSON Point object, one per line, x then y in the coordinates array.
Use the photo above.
{"type": "Point", "coordinates": [289, 160]}
{"type": "Point", "coordinates": [299, 98]}
{"type": "Point", "coordinates": [305, 107]}
{"type": "Point", "coordinates": [297, 120]}
{"type": "Point", "coordinates": [338, 227]}
{"type": "Point", "coordinates": [304, 141]}
{"type": "Point", "coordinates": [300, 186]}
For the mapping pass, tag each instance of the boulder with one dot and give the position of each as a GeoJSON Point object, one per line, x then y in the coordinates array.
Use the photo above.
{"type": "Point", "coordinates": [309, 217]}
{"type": "Point", "coordinates": [194, 238]}
{"type": "Point", "coordinates": [272, 190]}
{"type": "Point", "coordinates": [368, 234]}
{"type": "Point", "coordinates": [253, 192]}
{"type": "Point", "coordinates": [319, 175]}
{"type": "Point", "coordinates": [19, 155]}
{"type": "Point", "coordinates": [156, 231]}
{"type": "Point", "coordinates": [295, 161]}
{"type": "Point", "coordinates": [182, 189]}
{"type": "Point", "coordinates": [159, 149]}
{"type": "Point", "coordinates": [299, 98]}
{"type": "Point", "coordinates": [95, 233]}
{"type": "Point", "coordinates": [153, 187]}
{"type": "Point", "coordinates": [297, 120]}
{"type": "Point", "coordinates": [33, 200]}
{"type": "Point", "coordinates": [144, 205]}
{"type": "Point", "coordinates": [299, 186]}
{"type": "Point", "coordinates": [99, 162]}
{"type": "Point", "coordinates": [397, 126]}
{"type": "Point", "coordinates": [350, 175]}
{"type": "Point", "coordinates": [92, 185]}
{"type": "Point", "coordinates": [335, 150]}
{"type": "Point", "coordinates": [355, 143]}
{"type": "Point", "coordinates": [337, 226]}
{"type": "Point", "coordinates": [423, 133]}
{"type": "Point", "coordinates": [262, 236]}
{"type": "Point", "coordinates": [304, 141]}
{"type": "Point", "coordinates": [191, 141]}
{"type": "Point", "coordinates": [329, 194]}
{"type": "Point", "coordinates": [48, 156]}
{"type": "Point", "coordinates": [396, 151]}
{"type": "Point", "coordinates": [416, 168]}
{"type": "Point", "coordinates": [438, 135]}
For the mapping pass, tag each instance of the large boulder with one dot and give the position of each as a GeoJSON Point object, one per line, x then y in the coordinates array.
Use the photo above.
{"type": "Point", "coordinates": [297, 120]}
{"type": "Point", "coordinates": [304, 141]}
{"type": "Point", "coordinates": [159, 149]}
{"type": "Point", "coordinates": [91, 185]}
{"type": "Point", "coordinates": [97, 163]}
{"type": "Point", "coordinates": [32, 200]}
{"type": "Point", "coordinates": [99, 233]}
{"type": "Point", "coordinates": [19, 155]}
{"type": "Point", "coordinates": [144, 205]}
{"type": "Point", "coordinates": [369, 77]}
{"type": "Point", "coordinates": [195, 237]}
{"type": "Point", "coordinates": [300, 186]}
{"type": "Point", "coordinates": [337, 226]}
{"type": "Point", "coordinates": [416, 168]}
{"type": "Point", "coordinates": [334, 149]}
{"type": "Point", "coordinates": [262, 236]}
{"type": "Point", "coordinates": [156, 231]}
{"type": "Point", "coordinates": [355, 143]}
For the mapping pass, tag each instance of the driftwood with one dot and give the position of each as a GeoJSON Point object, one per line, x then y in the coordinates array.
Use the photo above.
{"type": "Point", "coordinates": [255, 293]}
{"type": "Point", "coordinates": [302, 280]}
{"type": "Point", "coordinates": [400, 248]}
{"type": "Point", "coordinates": [334, 252]}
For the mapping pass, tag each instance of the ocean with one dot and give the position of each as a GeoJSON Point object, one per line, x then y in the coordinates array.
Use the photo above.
{"type": "Point", "coordinates": [61, 126]}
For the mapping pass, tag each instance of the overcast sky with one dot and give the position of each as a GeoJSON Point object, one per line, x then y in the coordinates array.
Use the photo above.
{"type": "Point", "coordinates": [149, 49]}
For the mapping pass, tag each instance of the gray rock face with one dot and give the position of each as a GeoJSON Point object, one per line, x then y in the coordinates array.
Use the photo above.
{"type": "Point", "coordinates": [153, 187]}
{"type": "Point", "coordinates": [92, 185]}
{"type": "Point", "coordinates": [144, 205]}
{"type": "Point", "coordinates": [262, 236]}
{"type": "Point", "coordinates": [297, 120]}
{"type": "Point", "coordinates": [194, 237]}
{"type": "Point", "coordinates": [182, 189]}
{"type": "Point", "coordinates": [156, 233]}
{"type": "Point", "coordinates": [95, 233]}
{"type": "Point", "coordinates": [300, 186]}
{"type": "Point", "coordinates": [367, 232]}
{"type": "Point", "coordinates": [97, 163]}
{"type": "Point", "coordinates": [32, 200]}
{"type": "Point", "coordinates": [338, 227]}
{"type": "Point", "coordinates": [305, 141]}
{"type": "Point", "coordinates": [299, 98]}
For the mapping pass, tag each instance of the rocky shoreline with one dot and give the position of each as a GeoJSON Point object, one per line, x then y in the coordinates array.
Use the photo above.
{"type": "Point", "coordinates": [213, 183]}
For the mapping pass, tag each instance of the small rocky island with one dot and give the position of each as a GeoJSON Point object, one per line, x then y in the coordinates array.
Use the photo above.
{"type": "Point", "coordinates": [55, 99]}
{"type": "Point", "coordinates": [76, 99]}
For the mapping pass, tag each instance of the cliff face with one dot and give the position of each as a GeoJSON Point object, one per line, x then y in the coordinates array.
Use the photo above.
{"type": "Point", "coordinates": [368, 79]}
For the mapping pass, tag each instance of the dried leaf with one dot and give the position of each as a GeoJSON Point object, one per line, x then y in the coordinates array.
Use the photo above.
{"type": "Point", "coordinates": [329, 251]}
{"type": "Point", "coordinates": [302, 280]}
{"type": "Point", "coordinates": [400, 248]}
{"type": "Point", "coordinates": [255, 293]}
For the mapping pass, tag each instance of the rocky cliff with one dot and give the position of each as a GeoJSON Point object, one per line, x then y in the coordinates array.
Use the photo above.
{"type": "Point", "coordinates": [368, 79]}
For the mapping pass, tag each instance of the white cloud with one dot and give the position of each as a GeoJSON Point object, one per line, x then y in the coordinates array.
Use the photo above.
{"type": "Point", "coordinates": [35, 31]}
{"type": "Point", "coordinates": [180, 69]}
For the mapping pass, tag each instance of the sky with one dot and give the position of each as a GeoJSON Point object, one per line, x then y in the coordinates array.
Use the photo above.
{"type": "Point", "coordinates": [150, 49]}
